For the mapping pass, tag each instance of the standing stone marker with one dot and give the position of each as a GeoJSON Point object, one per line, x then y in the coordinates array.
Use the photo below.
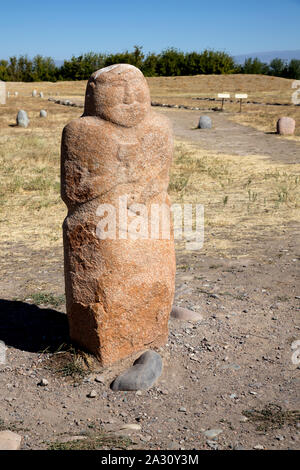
{"type": "Point", "coordinates": [119, 291]}
{"type": "Point", "coordinates": [286, 126]}
{"type": "Point", "coordinates": [34, 93]}
{"type": "Point", "coordinates": [43, 113]}
{"type": "Point", "coordinates": [22, 118]}
{"type": "Point", "coordinates": [2, 92]}
{"type": "Point", "coordinates": [205, 122]}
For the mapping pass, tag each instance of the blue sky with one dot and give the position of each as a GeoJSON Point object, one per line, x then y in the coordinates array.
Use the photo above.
{"type": "Point", "coordinates": [61, 28]}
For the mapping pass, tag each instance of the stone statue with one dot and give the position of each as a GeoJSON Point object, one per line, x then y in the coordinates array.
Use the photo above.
{"type": "Point", "coordinates": [115, 162]}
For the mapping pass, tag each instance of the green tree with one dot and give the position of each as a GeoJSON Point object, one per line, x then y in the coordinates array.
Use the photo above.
{"type": "Point", "coordinates": [81, 67]}
{"type": "Point", "coordinates": [277, 67]}
{"type": "Point", "coordinates": [215, 62]}
{"type": "Point", "coordinates": [192, 64]}
{"type": "Point", "coordinates": [24, 69]}
{"type": "Point", "coordinates": [44, 69]}
{"type": "Point", "coordinates": [12, 69]}
{"type": "Point", "coordinates": [293, 70]}
{"type": "Point", "coordinates": [135, 58]}
{"type": "Point", "coordinates": [3, 71]}
{"type": "Point", "coordinates": [255, 66]}
{"type": "Point", "coordinates": [149, 66]}
{"type": "Point", "coordinates": [170, 63]}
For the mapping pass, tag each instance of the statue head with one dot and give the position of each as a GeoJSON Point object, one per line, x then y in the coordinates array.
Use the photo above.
{"type": "Point", "coordinates": [119, 94]}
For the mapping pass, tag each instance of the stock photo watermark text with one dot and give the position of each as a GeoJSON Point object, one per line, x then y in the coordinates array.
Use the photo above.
{"type": "Point", "coordinates": [156, 222]}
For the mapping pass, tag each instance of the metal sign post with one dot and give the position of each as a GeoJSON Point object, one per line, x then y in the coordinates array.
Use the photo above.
{"type": "Point", "coordinates": [223, 96]}
{"type": "Point", "coordinates": [241, 96]}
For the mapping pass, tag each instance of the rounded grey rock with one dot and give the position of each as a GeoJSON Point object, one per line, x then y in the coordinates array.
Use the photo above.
{"type": "Point", "coordinates": [43, 113]}
{"type": "Point", "coordinates": [142, 375]}
{"type": "Point", "coordinates": [205, 122]}
{"type": "Point", "coordinates": [22, 118]}
{"type": "Point", "coordinates": [34, 92]}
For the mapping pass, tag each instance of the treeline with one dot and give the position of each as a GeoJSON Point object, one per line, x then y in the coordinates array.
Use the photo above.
{"type": "Point", "coordinates": [169, 62]}
{"type": "Point", "coordinates": [277, 68]}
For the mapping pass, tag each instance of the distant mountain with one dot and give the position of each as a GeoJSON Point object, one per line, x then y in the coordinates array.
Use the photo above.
{"type": "Point", "coordinates": [268, 56]}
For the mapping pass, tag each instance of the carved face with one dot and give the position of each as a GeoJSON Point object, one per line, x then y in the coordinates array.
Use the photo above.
{"type": "Point", "coordinates": [118, 94]}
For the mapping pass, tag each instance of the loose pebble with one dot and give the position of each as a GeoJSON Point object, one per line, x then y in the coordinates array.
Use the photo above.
{"type": "Point", "coordinates": [43, 383]}
{"type": "Point", "coordinates": [212, 433]}
{"type": "Point", "coordinates": [258, 447]}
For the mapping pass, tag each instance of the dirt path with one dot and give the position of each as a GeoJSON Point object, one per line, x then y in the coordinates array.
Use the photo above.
{"type": "Point", "coordinates": [228, 137]}
{"type": "Point", "coordinates": [237, 359]}
{"type": "Point", "coordinates": [231, 138]}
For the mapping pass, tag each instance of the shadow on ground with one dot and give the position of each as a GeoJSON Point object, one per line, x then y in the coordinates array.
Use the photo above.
{"type": "Point", "coordinates": [30, 328]}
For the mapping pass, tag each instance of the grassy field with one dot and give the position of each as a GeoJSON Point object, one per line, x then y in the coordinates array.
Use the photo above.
{"type": "Point", "coordinates": [240, 202]}
{"type": "Point", "coordinates": [184, 90]}
{"type": "Point", "coordinates": [260, 88]}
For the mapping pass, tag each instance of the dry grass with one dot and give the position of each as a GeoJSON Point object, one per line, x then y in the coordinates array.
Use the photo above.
{"type": "Point", "coordinates": [184, 90]}
{"type": "Point", "coordinates": [272, 416]}
{"type": "Point", "coordinates": [242, 198]}
{"type": "Point", "coordinates": [95, 439]}
{"type": "Point", "coordinates": [31, 210]}
{"type": "Point", "coordinates": [259, 87]}
{"type": "Point", "coordinates": [265, 118]}
{"type": "Point", "coordinates": [71, 363]}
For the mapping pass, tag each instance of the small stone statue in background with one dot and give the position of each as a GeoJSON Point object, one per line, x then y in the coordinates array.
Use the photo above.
{"type": "Point", "coordinates": [286, 126]}
{"type": "Point", "coordinates": [22, 118]}
{"type": "Point", "coordinates": [205, 122]}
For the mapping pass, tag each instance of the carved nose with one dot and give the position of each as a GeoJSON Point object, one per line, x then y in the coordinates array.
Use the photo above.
{"type": "Point", "coordinates": [129, 96]}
